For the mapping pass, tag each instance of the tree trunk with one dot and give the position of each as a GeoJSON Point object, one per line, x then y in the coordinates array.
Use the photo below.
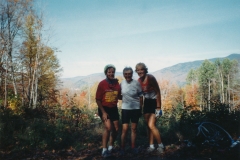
{"type": "Point", "coordinates": [223, 97]}
{"type": "Point", "coordinates": [29, 81]}
{"type": "Point", "coordinates": [5, 84]}
{"type": "Point", "coordinates": [209, 96]}
{"type": "Point", "coordinates": [23, 102]}
{"type": "Point", "coordinates": [12, 71]}
{"type": "Point", "coordinates": [229, 94]}
{"type": "Point", "coordinates": [35, 83]}
{"type": "Point", "coordinates": [201, 106]}
{"type": "Point", "coordinates": [32, 89]}
{"type": "Point", "coordinates": [233, 102]}
{"type": "Point", "coordinates": [220, 86]}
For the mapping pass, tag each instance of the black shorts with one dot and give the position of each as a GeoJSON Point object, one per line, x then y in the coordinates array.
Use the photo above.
{"type": "Point", "coordinates": [149, 106]}
{"type": "Point", "coordinates": [112, 112]}
{"type": "Point", "coordinates": [132, 115]}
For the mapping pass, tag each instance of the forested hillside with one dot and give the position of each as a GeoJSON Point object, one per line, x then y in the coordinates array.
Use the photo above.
{"type": "Point", "coordinates": [172, 80]}
{"type": "Point", "coordinates": [176, 73]}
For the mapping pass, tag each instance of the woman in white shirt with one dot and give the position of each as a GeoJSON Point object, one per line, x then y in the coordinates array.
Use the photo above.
{"type": "Point", "coordinates": [132, 100]}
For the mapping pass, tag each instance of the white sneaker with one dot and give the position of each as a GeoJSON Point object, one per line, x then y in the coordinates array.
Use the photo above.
{"type": "Point", "coordinates": [149, 150]}
{"type": "Point", "coordinates": [112, 150]}
{"type": "Point", "coordinates": [160, 150]}
{"type": "Point", "coordinates": [106, 154]}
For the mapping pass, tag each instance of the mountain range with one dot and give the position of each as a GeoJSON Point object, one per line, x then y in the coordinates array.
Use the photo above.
{"type": "Point", "coordinates": [176, 74]}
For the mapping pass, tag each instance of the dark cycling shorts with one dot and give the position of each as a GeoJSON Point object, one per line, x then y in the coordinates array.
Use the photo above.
{"type": "Point", "coordinates": [132, 115]}
{"type": "Point", "coordinates": [149, 106]}
{"type": "Point", "coordinates": [112, 112]}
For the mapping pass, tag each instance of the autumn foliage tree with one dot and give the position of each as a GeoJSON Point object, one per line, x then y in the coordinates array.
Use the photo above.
{"type": "Point", "coordinates": [12, 14]}
{"type": "Point", "coordinates": [27, 62]}
{"type": "Point", "coordinates": [41, 66]}
{"type": "Point", "coordinates": [213, 83]}
{"type": "Point", "coordinates": [191, 96]}
{"type": "Point", "coordinates": [172, 96]}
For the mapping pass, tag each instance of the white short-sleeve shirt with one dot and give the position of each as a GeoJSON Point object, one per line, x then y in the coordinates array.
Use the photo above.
{"type": "Point", "coordinates": [131, 93]}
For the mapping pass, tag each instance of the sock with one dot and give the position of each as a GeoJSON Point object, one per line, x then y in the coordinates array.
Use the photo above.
{"type": "Point", "coordinates": [151, 145]}
{"type": "Point", "coordinates": [110, 148]}
{"type": "Point", "coordinates": [103, 150]}
{"type": "Point", "coordinates": [160, 145]}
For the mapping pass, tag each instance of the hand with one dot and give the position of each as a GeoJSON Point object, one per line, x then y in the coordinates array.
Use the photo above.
{"type": "Point", "coordinates": [158, 113]}
{"type": "Point", "coordinates": [104, 117]}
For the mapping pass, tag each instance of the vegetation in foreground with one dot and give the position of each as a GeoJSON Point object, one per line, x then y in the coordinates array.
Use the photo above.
{"type": "Point", "coordinates": [53, 132]}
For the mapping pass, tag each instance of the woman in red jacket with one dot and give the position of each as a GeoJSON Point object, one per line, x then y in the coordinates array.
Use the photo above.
{"type": "Point", "coordinates": [107, 95]}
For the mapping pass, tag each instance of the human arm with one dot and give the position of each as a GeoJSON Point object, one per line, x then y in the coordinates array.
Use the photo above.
{"type": "Point", "coordinates": [156, 88]}
{"type": "Point", "coordinates": [99, 98]}
{"type": "Point", "coordinates": [104, 114]}
{"type": "Point", "coordinates": [120, 93]}
{"type": "Point", "coordinates": [140, 94]}
{"type": "Point", "coordinates": [141, 103]}
{"type": "Point", "coordinates": [120, 97]}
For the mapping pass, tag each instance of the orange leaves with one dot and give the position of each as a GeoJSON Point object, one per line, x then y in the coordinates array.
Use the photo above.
{"type": "Point", "coordinates": [171, 95]}
{"type": "Point", "coordinates": [83, 94]}
{"type": "Point", "coordinates": [191, 92]}
{"type": "Point", "coordinates": [69, 98]}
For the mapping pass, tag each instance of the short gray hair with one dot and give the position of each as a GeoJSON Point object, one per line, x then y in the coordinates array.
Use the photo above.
{"type": "Point", "coordinates": [127, 69]}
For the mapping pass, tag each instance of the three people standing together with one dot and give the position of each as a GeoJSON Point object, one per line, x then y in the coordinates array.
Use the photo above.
{"type": "Point", "coordinates": [135, 95]}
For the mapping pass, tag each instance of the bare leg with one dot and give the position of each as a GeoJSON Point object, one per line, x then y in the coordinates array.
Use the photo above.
{"type": "Point", "coordinates": [113, 136]}
{"type": "Point", "coordinates": [124, 133]}
{"type": "Point", "coordinates": [133, 134]}
{"type": "Point", "coordinates": [106, 132]}
{"type": "Point", "coordinates": [153, 129]}
{"type": "Point", "coordinates": [150, 135]}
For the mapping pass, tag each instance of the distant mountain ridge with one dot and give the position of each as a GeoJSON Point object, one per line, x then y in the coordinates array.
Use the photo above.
{"type": "Point", "coordinates": [176, 74]}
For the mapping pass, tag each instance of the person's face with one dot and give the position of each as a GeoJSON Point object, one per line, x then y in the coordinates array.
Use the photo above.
{"type": "Point", "coordinates": [140, 71]}
{"type": "Point", "coordinates": [110, 73]}
{"type": "Point", "coordinates": [128, 75]}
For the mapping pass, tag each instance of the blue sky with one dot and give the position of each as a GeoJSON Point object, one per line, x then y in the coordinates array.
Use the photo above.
{"type": "Point", "coordinates": [160, 33]}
